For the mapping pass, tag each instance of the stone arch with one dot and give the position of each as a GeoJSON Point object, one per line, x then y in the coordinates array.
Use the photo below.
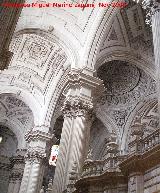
{"type": "Point", "coordinates": [16, 115]}
{"type": "Point", "coordinates": [26, 97]}
{"type": "Point", "coordinates": [116, 40]}
{"type": "Point", "coordinates": [41, 83]}
{"type": "Point", "coordinates": [97, 31]}
{"type": "Point", "coordinates": [119, 100]}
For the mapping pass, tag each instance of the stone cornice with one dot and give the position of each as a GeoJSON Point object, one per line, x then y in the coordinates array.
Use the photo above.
{"type": "Point", "coordinates": [76, 79]}
{"type": "Point", "coordinates": [77, 76]}
{"type": "Point", "coordinates": [113, 177]}
{"type": "Point", "coordinates": [80, 89]}
{"type": "Point", "coordinates": [138, 162]}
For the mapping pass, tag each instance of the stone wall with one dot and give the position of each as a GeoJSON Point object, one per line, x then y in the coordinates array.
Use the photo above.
{"type": "Point", "coordinates": [152, 180]}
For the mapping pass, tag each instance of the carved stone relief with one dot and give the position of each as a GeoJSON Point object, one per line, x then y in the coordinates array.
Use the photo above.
{"type": "Point", "coordinates": [13, 108]}
{"type": "Point", "coordinates": [37, 61]}
{"type": "Point", "coordinates": [148, 117]}
{"type": "Point", "coordinates": [125, 86]}
{"type": "Point", "coordinates": [128, 31]}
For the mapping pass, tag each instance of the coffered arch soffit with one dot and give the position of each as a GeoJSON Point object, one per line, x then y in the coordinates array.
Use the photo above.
{"type": "Point", "coordinates": [38, 64]}
{"type": "Point", "coordinates": [78, 26]}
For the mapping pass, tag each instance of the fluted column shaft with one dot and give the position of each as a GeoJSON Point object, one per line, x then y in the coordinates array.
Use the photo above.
{"type": "Point", "coordinates": [63, 154]}
{"type": "Point", "coordinates": [76, 128]}
{"type": "Point", "coordinates": [73, 145]}
{"type": "Point", "coordinates": [156, 43]}
{"type": "Point", "coordinates": [35, 160]}
{"type": "Point", "coordinates": [153, 17]}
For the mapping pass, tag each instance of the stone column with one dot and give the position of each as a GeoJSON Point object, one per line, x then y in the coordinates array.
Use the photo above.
{"type": "Point", "coordinates": [35, 160]}
{"type": "Point", "coordinates": [8, 20]}
{"type": "Point", "coordinates": [153, 14]}
{"type": "Point", "coordinates": [76, 127]}
{"type": "Point", "coordinates": [17, 164]}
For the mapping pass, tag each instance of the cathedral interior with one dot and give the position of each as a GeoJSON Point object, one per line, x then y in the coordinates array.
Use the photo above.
{"type": "Point", "coordinates": [79, 98]}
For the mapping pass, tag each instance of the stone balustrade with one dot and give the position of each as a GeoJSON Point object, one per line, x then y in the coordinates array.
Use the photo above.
{"type": "Point", "coordinates": [98, 167]}
{"type": "Point", "coordinates": [150, 141]}
{"type": "Point", "coordinates": [111, 164]}
{"type": "Point", "coordinates": [92, 168]}
{"type": "Point", "coordinates": [145, 144]}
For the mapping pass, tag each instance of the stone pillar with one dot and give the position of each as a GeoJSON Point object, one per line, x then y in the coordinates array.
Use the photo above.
{"type": "Point", "coordinates": [153, 14]}
{"type": "Point", "coordinates": [136, 183]}
{"type": "Point", "coordinates": [35, 160]}
{"type": "Point", "coordinates": [76, 127]}
{"type": "Point", "coordinates": [17, 164]}
{"type": "Point", "coordinates": [8, 20]}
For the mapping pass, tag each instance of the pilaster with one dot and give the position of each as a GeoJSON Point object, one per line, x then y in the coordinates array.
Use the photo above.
{"type": "Point", "coordinates": [136, 183]}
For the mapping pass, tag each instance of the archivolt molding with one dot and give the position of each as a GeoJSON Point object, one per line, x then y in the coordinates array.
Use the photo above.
{"type": "Point", "coordinates": [107, 121]}
{"type": "Point", "coordinates": [56, 100]}
{"type": "Point", "coordinates": [26, 97]}
{"type": "Point", "coordinates": [102, 132]}
{"type": "Point", "coordinates": [96, 36]}
{"type": "Point", "coordinates": [17, 130]}
{"type": "Point", "coordinates": [16, 115]}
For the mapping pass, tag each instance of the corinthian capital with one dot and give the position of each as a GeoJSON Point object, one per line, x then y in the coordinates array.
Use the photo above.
{"type": "Point", "coordinates": [35, 155]}
{"type": "Point", "coordinates": [79, 92]}
{"type": "Point", "coordinates": [76, 107]}
{"type": "Point", "coordinates": [151, 7]}
{"type": "Point", "coordinates": [35, 135]}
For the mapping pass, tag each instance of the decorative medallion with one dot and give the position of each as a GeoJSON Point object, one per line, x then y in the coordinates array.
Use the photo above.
{"type": "Point", "coordinates": [119, 77]}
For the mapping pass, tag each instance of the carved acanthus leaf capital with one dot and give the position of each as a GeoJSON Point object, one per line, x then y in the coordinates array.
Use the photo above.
{"type": "Point", "coordinates": [38, 135]}
{"type": "Point", "coordinates": [74, 107]}
{"type": "Point", "coordinates": [35, 155]}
